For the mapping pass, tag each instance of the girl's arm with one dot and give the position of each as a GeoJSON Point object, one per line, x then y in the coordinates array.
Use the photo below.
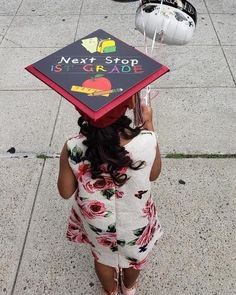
{"type": "Point", "coordinates": [66, 183]}
{"type": "Point", "coordinates": [156, 167]}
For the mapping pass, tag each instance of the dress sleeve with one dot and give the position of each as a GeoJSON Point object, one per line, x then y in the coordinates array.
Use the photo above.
{"type": "Point", "coordinates": [75, 150]}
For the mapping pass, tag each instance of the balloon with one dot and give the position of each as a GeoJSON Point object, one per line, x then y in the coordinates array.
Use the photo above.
{"type": "Point", "coordinates": [172, 22]}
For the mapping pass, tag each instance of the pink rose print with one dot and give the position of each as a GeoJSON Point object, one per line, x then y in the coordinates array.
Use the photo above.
{"type": "Point", "coordinates": [138, 264]}
{"type": "Point", "coordinates": [103, 168]}
{"type": "Point", "coordinates": [76, 232]}
{"type": "Point", "coordinates": [92, 209]}
{"type": "Point", "coordinates": [123, 170]}
{"type": "Point", "coordinates": [84, 169]}
{"type": "Point", "coordinates": [119, 194]}
{"type": "Point", "coordinates": [92, 186]}
{"type": "Point", "coordinates": [107, 239]}
{"type": "Point", "coordinates": [150, 210]}
{"type": "Point", "coordinates": [105, 183]}
{"type": "Point", "coordinates": [88, 186]}
{"type": "Point", "coordinates": [147, 234]}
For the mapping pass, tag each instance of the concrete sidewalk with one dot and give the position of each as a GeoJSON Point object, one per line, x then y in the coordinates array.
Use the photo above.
{"type": "Point", "coordinates": [195, 115]}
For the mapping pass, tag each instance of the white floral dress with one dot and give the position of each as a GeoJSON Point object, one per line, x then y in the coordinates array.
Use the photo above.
{"type": "Point", "coordinates": [119, 223]}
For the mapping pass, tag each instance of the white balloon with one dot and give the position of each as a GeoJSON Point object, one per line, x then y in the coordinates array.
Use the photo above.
{"type": "Point", "coordinates": [172, 22]}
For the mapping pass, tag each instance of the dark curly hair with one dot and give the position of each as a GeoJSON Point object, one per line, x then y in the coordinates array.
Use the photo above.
{"type": "Point", "coordinates": [103, 147]}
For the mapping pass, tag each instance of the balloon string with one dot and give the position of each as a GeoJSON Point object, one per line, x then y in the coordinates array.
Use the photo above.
{"type": "Point", "coordinates": [144, 31]}
{"type": "Point", "coordinates": [147, 95]}
{"type": "Point", "coordinates": [155, 33]}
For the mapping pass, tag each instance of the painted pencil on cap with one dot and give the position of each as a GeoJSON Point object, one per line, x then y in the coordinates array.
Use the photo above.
{"type": "Point", "coordinates": [98, 74]}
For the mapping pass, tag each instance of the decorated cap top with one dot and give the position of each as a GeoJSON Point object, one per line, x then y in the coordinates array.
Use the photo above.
{"type": "Point", "coordinates": [98, 74]}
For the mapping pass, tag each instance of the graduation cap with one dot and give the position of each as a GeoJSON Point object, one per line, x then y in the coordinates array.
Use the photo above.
{"type": "Point", "coordinates": [98, 74]}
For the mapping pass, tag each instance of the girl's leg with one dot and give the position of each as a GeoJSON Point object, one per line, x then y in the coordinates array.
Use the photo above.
{"type": "Point", "coordinates": [130, 276]}
{"type": "Point", "coordinates": [106, 275]}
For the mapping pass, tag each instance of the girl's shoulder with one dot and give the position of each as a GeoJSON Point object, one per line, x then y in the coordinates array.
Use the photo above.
{"type": "Point", "coordinates": [144, 144]}
{"type": "Point", "coordinates": [148, 132]}
{"type": "Point", "coordinates": [149, 136]}
{"type": "Point", "coordinates": [75, 140]}
{"type": "Point", "coordinates": [143, 147]}
{"type": "Point", "coordinates": [75, 148]}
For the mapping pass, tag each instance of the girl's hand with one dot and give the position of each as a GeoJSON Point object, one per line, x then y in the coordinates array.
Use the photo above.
{"type": "Point", "coordinates": [147, 117]}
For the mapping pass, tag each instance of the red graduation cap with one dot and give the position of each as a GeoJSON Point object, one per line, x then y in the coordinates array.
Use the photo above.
{"type": "Point", "coordinates": [98, 74]}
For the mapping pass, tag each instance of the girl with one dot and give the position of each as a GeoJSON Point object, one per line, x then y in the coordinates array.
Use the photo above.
{"type": "Point", "coordinates": [109, 169]}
